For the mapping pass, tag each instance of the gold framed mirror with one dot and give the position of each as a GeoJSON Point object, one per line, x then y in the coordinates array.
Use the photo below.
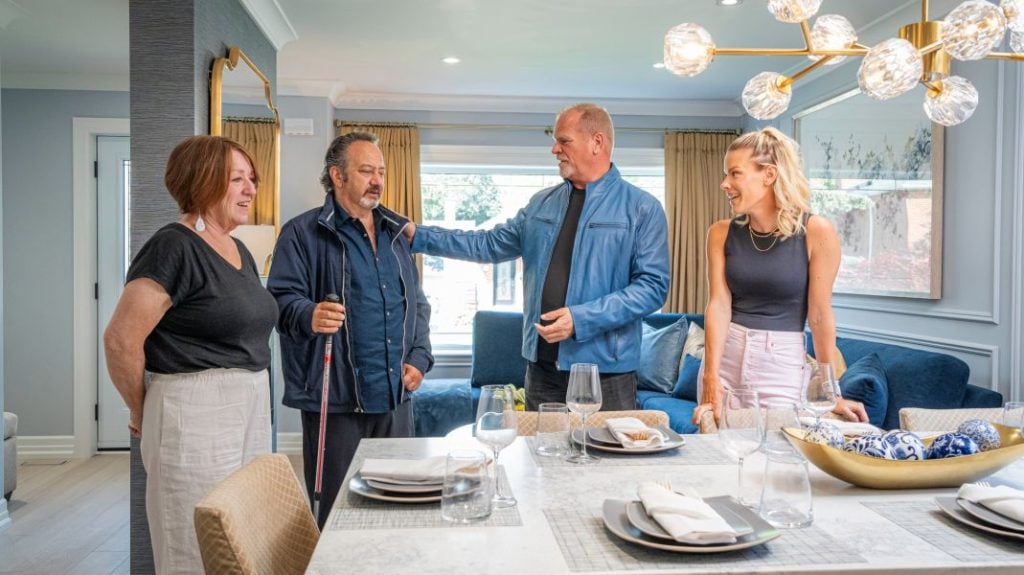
{"type": "Point", "coordinates": [242, 108]}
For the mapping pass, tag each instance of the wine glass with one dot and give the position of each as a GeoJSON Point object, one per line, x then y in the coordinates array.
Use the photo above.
{"type": "Point", "coordinates": [496, 427]}
{"type": "Point", "coordinates": [741, 430]}
{"type": "Point", "coordinates": [583, 397]}
{"type": "Point", "coordinates": [1013, 414]}
{"type": "Point", "coordinates": [820, 392]}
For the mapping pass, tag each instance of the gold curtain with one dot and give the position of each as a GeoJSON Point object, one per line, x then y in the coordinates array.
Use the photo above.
{"type": "Point", "coordinates": [401, 148]}
{"type": "Point", "coordinates": [693, 201]}
{"type": "Point", "coordinates": [259, 138]}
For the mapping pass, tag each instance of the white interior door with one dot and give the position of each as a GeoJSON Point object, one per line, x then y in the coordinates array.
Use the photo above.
{"type": "Point", "coordinates": [113, 183]}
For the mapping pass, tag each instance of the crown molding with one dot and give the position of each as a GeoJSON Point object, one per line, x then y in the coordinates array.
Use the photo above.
{"type": "Point", "coordinates": [62, 81]}
{"type": "Point", "coordinates": [452, 103]}
{"type": "Point", "coordinates": [272, 20]}
{"type": "Point", "coordinates": [9, 11]}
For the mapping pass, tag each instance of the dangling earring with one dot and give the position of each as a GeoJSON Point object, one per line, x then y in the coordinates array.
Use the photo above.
{"type": "Point", "coordinates": [200, 224]}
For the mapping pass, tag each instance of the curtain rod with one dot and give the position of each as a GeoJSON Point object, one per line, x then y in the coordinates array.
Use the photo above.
{"type": "Point", "coordinates": [250, 119]}
{"type": "Point", "coordinates": [547, 129]}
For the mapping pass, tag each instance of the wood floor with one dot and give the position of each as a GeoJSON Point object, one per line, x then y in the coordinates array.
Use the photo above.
{"type": "Point", "coordinates": [70, 518]}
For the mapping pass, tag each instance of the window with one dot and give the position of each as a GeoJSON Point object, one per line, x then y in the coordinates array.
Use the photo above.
{"type": "Point", "coordinates": [478, 197]}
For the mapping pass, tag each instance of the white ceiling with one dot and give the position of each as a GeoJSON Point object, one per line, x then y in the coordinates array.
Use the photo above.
{"type": "Point", "coordinates": [358, 51]}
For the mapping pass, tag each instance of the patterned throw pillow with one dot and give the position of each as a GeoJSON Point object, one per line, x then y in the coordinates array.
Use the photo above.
{"type": "Point", "coordinates": [694, 342]}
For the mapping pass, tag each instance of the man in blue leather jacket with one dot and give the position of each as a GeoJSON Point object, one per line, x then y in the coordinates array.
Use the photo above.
{"type": "Point", "coordinates": [352, 247]}
{"type": "Point", "coordinates": [595, 260]}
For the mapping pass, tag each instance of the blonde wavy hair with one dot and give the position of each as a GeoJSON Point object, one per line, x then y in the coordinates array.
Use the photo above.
{"type": "Point", "coordinates": [770, 147]}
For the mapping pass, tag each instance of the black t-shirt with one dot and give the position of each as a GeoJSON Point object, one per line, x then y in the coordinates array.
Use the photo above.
{"type": "Point", "coordinates": [220, 316]}
{"type": "Point", "coordinates": [556, 282]}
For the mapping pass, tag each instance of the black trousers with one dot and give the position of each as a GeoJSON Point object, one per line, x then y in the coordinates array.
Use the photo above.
{"type": "Point", "coordinates": [344, 430]}
{"type": "Point", "coordinates": [545, 383]}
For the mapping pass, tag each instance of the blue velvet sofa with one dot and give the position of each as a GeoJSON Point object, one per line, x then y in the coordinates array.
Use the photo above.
{"type": "Point", "coordinates": [886, 377]}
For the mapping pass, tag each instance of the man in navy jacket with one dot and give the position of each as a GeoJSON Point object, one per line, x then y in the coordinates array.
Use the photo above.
{"type": "Point", "coordinates": [595, 261]}
{"type": "Point", "coordinates": [352, 247]}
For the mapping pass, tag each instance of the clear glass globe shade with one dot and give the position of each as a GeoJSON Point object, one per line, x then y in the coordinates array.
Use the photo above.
{"type": "Point", "coordinates": [763, 98]}
{"type": "Point", "coordinates": [1017, 42]}
{"type": "Point", "coordinates": [1013, 10]}
{"type": "Point", "coordinates": [832, 32]}
{"type": "Point", "coordinates": [973, 29]}
{"type": "Point", "coordinates": [889, 69]}
{"type": "Point", "coordinates": [689, 49]}
{"type": "Point", "coordinates": [793, 11]}
{"type": "Point", "coordinates": [954, 104]}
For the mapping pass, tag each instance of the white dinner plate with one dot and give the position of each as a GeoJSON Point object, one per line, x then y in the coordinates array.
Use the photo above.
{"type": "Point", "coordinates": [673, 440]}
{"type": "Point", "coordinates": [358, 485]}
{"type": "Point", "coordinates": [639, 518]}
{"type": "Point", "coordinates": [950, 507]}
{"type": "Point", "coordinates": [617, 522]}
{"type": "Point", "coordinates": [380, 485]}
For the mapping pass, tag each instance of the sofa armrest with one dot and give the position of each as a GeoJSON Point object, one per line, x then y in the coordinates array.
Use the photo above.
{"type": "Point", "coordinates": [981, 397]}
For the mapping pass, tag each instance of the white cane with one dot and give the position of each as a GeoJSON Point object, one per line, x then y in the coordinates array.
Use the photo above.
{"type": "Point", "coordinates": [324, 392]}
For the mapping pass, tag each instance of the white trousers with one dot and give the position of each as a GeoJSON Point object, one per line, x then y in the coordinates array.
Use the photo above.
{"type": "Point", "coordinates": [197, 428]}
{"type": "Point", "coordinates": [770, 362]}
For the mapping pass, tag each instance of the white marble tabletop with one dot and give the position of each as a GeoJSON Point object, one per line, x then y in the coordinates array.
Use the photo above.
{"type": "Point", "coordinates": [855, 530]}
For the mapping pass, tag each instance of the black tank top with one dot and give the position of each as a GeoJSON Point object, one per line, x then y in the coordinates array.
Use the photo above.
{"type": "Point", "coordinates": [768, 279]}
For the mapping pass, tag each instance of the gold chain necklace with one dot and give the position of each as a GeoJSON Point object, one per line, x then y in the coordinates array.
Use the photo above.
{"type": "Point", "coordinates": [754, 235]}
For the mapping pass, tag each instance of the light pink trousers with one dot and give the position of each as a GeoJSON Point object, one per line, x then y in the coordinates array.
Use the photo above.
{"type": "Point", "coordinates": [770, 362]}
{"type": "Point", "coordinates": [197, 428]}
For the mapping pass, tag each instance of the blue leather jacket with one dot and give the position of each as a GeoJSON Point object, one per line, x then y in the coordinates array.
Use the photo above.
{"type": "Point", "coordinates": [309, 263]}
{"type": "Point", "coordinates": [620, 269]}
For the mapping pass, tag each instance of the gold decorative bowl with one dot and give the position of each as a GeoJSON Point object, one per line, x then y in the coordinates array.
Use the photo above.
{"type": "Point", "coordinates": [877, 473]}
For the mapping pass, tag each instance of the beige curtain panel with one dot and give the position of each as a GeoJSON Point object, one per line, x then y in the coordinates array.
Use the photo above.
{"type": "Point", "coordinates": [693, 201]}
{"type": "Point", "coordinates": [260, 140]}
{"type": "Point", "coordinates": [401, 148]}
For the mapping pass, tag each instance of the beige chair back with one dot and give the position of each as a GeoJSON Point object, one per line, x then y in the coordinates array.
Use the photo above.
{"type": "Point", "coordinates": [257, 521]}
{"type": "Point", "coordinates": [527, 420]}
{"type": "Point", "coordinates": [921, 419]}
{"type": "Point", "coordinates": [745, 417]}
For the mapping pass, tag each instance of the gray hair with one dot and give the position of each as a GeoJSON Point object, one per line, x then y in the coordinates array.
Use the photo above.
{"type": "Point", "coordinates": [593, 119]}
{"type": "Point", "coordinates": [337, 155]}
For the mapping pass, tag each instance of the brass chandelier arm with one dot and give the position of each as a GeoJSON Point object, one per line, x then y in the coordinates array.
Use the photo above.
{"type": "Point", "coordinates": [933, 47]}
{"type": "Point", "coordinates": [924, 12]}
{"type": "Point", "coordinates": [789, 52]}
{"type": "Point", "coordinates": [784, 84]}
{"type": "Point", "coordinates": [1005, 56]}
{"type": "Point", "coordinates": [807, 34]}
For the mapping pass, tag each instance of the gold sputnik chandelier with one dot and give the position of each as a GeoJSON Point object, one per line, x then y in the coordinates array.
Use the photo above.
{"type": "Point", "coordinates": [971, 31]}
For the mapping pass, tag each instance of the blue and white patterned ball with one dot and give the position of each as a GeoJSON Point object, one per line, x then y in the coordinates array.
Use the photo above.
{"type": "Point", "coordinates": [982, 432]}
{"type": "Point", "coordinates": [905, 445]}
{"type": "Point", "coordinates": [870, 445]}
{"type": "Point", "coordinates": [825, 434]}
{"type": "Point", "coordinates": [952, 445]}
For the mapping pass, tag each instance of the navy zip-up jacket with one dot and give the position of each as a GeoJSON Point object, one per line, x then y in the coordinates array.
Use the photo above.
{"type": "Point", "coordinates": [310, 262]}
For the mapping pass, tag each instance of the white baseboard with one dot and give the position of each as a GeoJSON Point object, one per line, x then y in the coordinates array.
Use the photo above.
{"type": "Point", "coordinates": [45, 447]}
{"type": "Point", "coordinates": [289, 443]}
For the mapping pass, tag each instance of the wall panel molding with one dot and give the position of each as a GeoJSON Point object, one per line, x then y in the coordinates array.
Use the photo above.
{"type": "Point", "coordinates": [34, 447]}
{"type": "Point", "coordinates": [1017, 263]}
{"type": "Point", "coordinates": [937, 344]}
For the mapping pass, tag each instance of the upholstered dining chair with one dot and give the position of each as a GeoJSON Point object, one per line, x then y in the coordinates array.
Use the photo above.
{"type": "Point", "coordinates": [527, 420]}
{"type": "Point", "coordinates": [257, 521]}
{"type": "Point", "coordinates": [921, 419]}
{"type": "Point", "coordinates": [707, 420]}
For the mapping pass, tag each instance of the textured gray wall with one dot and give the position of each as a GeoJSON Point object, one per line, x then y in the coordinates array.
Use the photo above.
{"type": "Point", "coordinates": [38, 250]}
{"type": "Point", "coordinates": [173, 44]}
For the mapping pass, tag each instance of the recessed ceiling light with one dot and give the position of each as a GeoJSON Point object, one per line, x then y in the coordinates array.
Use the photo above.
{"type": "Point", "coordinates": [728, 2]}
{"type": "Point", "coordinates": [450, 60]}
{"type": "Point", "coordinates": [659, 65]}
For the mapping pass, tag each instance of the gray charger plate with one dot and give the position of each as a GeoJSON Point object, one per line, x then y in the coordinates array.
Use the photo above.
{"type": "Point", "coordinates": [673, 441]}
{"type": "Point", "coordinates": [358, 485]}
{"type": "Point", "coordinates": [950, 507]}
{"type": "Point", "coordinates": [616, 520]}
{"type": "Point", "coordinates": [989, 516]}
{"type": "Point", "coordinates": [639, 518]}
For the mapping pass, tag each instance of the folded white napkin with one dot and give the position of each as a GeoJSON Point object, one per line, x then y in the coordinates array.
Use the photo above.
{"type": "Point", "coordinates": [1004, 500]}
{"type": "Point", "coordinates": [426, 471]}
{"type": "Point", "coordinates": [687, 519]}
{"type": "Point", "coordinates": [844, 427]}
{"type": "Point", "coordinates": [622, 427]}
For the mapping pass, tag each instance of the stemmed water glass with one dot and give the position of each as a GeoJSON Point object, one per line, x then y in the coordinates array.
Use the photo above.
{"type": "Point", "coordinates": [1013, 414]}
{"type": "Point", "coordinates": [583, 397]}
{"type": "Point", "coordinates": [741, 430]}
{"type": "Point", "coordinates": [496, 427]}
{"type": "Point", "coordinates": [820, 391]}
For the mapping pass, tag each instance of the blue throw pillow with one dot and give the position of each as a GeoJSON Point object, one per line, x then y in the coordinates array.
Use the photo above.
{"type": "Point", "coordinates": [686, 384]}
{"type": "Point", "coordinates": [865, 382]}
{"type": "Point", "coordinates": [660, 350]}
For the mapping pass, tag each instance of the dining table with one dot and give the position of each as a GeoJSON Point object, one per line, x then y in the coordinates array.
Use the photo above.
{"type": "Point", "coordinates": [558, 526]}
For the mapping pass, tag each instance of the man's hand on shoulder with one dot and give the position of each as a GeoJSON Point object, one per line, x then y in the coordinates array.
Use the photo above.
{"type": "Point", "coordinates": [556, 325]}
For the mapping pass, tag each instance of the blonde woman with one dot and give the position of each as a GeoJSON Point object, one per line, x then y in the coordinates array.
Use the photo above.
{"type": "Point", "coordinates": [770, 274]}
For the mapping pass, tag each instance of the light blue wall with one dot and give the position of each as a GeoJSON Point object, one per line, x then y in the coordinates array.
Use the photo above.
{"type": "Point", "coordinates": [978, 317]}
{"type": "Point", "coordinates": [37, 228]}
{"type": "Point", "coordinates": [4, 518]}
